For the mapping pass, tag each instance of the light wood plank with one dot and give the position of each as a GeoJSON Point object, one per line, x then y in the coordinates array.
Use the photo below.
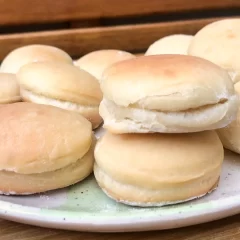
{"type": "Point", "coordinates": [36, 11]}
{"type": "Point", "coordinates": [133, 38]}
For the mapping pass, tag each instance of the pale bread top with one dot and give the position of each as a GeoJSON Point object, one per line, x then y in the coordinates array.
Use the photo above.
{"type": "Point", "coordinates": [96, 62]}
{"type": "Point", "coordinates": [39, 138]}
{"type": "Point", "coordinates": [166, 83]}
{"type": "Point", "coordinates": [219, 42]}
{"type": "Point", "coordinates": [172, 44]}
{"type": "Point", "coordinates": [60, 81]}
{"type": "Point", "coordinates": [32, 53]}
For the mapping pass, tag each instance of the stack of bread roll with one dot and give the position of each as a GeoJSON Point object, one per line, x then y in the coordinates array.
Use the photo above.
{"type": "Point", "coordinates": [47, 75]}
{"type": "Point", "coordinates": [44, 147]}
{"type": "Point", "coordinates": [160, 112]}
{"type": "Point", "coordinates": [46, 136]}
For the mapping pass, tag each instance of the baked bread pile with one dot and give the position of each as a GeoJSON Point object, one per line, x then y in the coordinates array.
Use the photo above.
{"type": "Point", "coordinates": [166, 114]}
{"type": "Point", "coordinates": [49, 108]}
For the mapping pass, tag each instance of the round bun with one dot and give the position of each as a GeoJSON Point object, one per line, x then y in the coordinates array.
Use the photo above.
{"type": "Point", "coordinates": [230, 135]}
{"type": "Point", "coordinates": [173, 44]}
{"type": "Point", "coordinates": [219, 42]}
{"type": "Point", "coordinates": [32, 53]}
{"type": "Point", "coordinates": [9, 88]}
{"type": "Point", "coordinates": [44, 148]}
{"type": "Point", "coordinates": [167, 93]}
{"type": "Point", "coordinates": [96, 62]}
{"type": "Point", "coordinates": [158, 169]}
{"type": "Point", "coordinates": [61, 85]}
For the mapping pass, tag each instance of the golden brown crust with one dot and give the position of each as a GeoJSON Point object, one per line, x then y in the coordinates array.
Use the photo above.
{"type": "Point", "coordinates": [38, 138]}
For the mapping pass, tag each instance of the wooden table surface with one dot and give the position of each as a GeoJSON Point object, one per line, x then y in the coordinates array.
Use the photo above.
{"type": "Point", "coordinates": [228, 229]}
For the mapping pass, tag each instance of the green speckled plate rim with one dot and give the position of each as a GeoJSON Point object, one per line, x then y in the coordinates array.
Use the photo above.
{"type": "Point", "coordinates": [12, 209]}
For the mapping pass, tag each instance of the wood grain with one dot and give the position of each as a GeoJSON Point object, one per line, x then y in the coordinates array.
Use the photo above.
{"type": "Point", "coordinates": [226, 229]}
{"type": "Point", "coordinates": [35, 11]}
{"type": "Point", "coordinates": [133, 38]}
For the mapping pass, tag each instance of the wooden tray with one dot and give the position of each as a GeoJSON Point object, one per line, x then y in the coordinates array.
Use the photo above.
{"type": "Point", "coordinates": [82, 26]}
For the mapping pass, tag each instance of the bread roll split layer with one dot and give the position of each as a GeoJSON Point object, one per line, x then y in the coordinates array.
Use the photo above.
{"type": "Point", "coordinates": [98, 61]}
{"type": "Point", "coordinates": [219, 42]}
{"type": "Point", "coordinates": [9, 88]}
{"type": "Point", "coordinates": [43, 148]}
{"type": "Point", "coordinates": [172, 44]}
{"type": "Point", "coordinates": [158, 169]}
{"type": "Point", "coordinates": [61, 85]}
{"type": "Point", "coordinates": [32, 53]}
{"type": "Point", "coordinates": [167, 93]}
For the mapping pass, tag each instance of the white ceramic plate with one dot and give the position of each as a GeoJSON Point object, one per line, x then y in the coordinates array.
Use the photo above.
{"type": "Point", "coordinates": [84, 207]}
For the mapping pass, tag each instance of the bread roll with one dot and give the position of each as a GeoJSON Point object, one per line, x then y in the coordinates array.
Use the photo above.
{"type": "Point", "coordinates": [167, 93]}
{"type": "Point", "coordinates": [96, 62]}
{"type": "Point", "coordinates": [61, 85]}
{"type": "Point", "coordinates": [172, 44]}
{"type": "Point", "coordinates": [32, 53]}
{"type": "Point", "coordinates": [230, 135]}
{"type": "Point", "coordinates": [158, 169]}
{"type": "Point", "coordinates": [42, 148]}
{"type": "Point", "coordinates": [219, 42]}
{"type": "Point", "coordinates": [9, 88]}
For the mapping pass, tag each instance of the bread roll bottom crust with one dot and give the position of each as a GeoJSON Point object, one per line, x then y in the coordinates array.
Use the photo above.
{"type": "Point", "coordinates": [135, 196]}
{"type": "Point", "coordinates": [12, 183]}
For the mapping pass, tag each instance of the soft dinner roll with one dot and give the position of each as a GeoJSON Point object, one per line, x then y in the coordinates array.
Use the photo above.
{"type": "Point", "coordinates": [173, 44]}
{"type": "Point", "coordinates": [42, 148]}
{"type": "Point", "coordinates": [158, 169]}
{"type": "Point", "coordinates": [219, 42]}
{"type": "Point", "coordinates": [96, 62]}
{"type": "Point", "coordinates": [61, 85]}
{"type": "Point", "coordinates": [230, 135]}
{"type": "Point", "coordinates": [32, 53]}
{"type": "Point", "coordinates": [167, 93]}
{"type": "Point", "coordinates": [9, 88]}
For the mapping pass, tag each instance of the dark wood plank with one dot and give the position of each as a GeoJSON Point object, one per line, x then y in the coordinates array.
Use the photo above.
{"type": "Point", "coordinates": [133, 38]}
{"type": "Point", "coordinates": [36, 11]}
{"type": "Point", "coordinates": [226, 229]}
